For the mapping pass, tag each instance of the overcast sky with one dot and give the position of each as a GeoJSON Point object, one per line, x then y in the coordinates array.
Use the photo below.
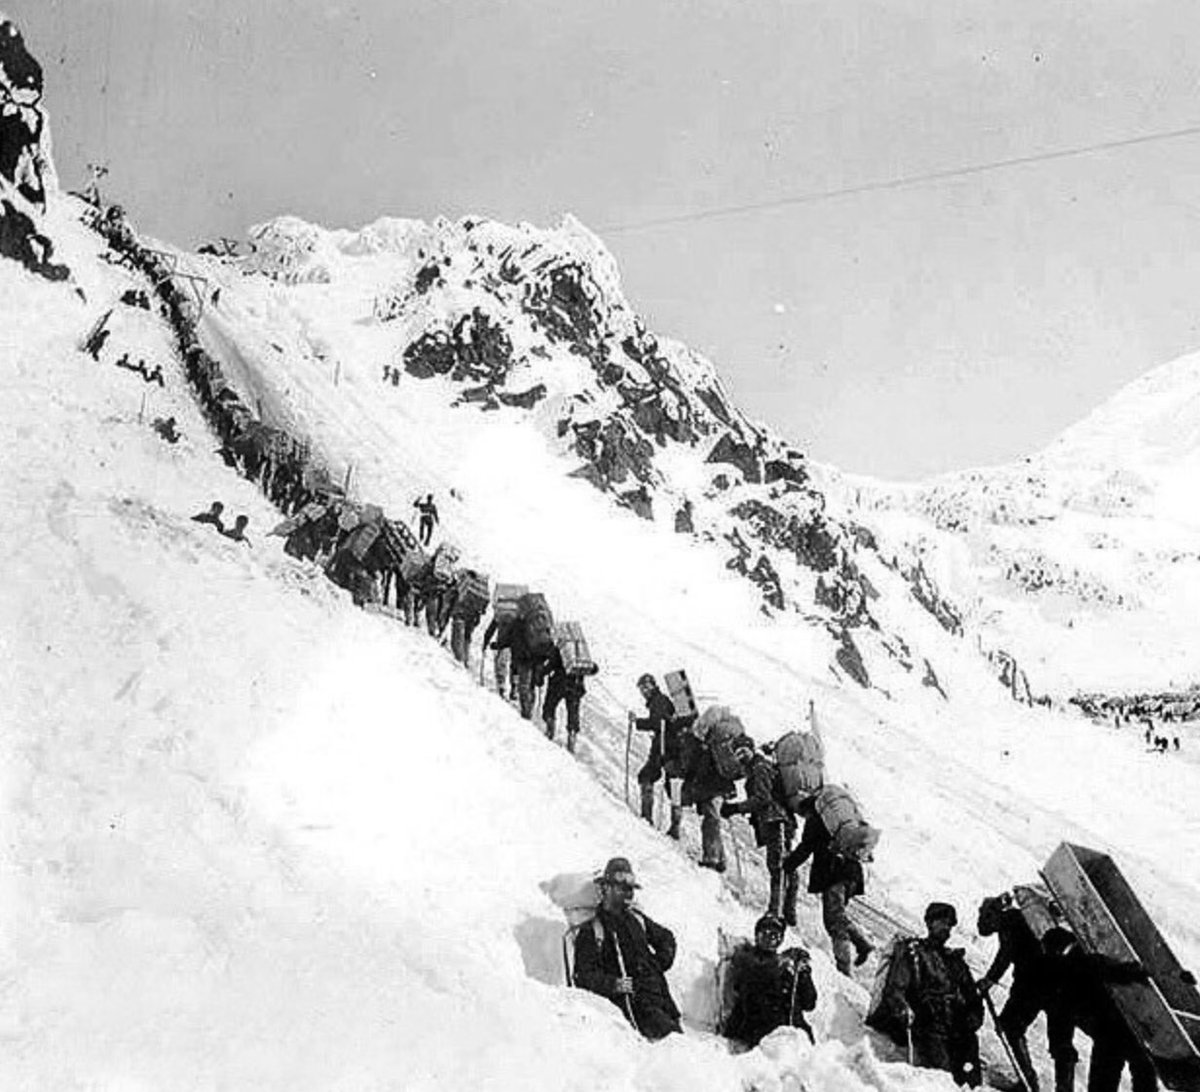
{"type": "Point", "coordinates": [898, 332]}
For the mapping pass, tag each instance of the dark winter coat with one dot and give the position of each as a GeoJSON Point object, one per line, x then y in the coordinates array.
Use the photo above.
{"type": "Point", "coordinates": [766, 802]}
{"type": "Point", "coordinates": [1080, 999]}
{"type": "Point", "coordinates": [769, 990]}
{"type": "Point", "coordinates": [660, 719]}
{"type": "Point", "coordinates": [702, 781]}
{"type": "Point", "coordinates": [936, 985]}
{"type": "Point", "coordinates": [828, 867]}
{"type": "Point", "coordinates": [514, 635]}
{"type": "Point", "coordinates": [559, 682]}
{"type": "Point", "coordinates": [1020, 950]}
{"type": "Point", "coordinates": [645, 950]}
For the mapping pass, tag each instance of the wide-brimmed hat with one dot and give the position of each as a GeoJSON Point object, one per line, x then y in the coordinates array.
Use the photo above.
{"type": "Point", "coordinates": [618, 872]}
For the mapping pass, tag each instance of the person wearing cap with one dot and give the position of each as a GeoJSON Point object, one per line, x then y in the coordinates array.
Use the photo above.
{"type": "Point", "coordinates": [622, 955]}
{"type": "Point", "coordinates": [939, 1002]}
{"type": "Point", "coordinates": [768, 988]}
{"type": "Point", "coordinates": [664, 748]}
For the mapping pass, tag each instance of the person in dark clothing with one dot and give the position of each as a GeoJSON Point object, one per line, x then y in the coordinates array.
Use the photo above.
{"type": "Point", "coordinates": [665, 749]}
{"type": "Point", "coordinates": [562, 688]}
{"type": "Point", "coordinates": [707, 788]}
{"type": "Point", "coordinates": [165, 427]}
{"type": "Point", "coordinates": [238, 531]}
{"type": "Point", "coordinates": [939, 1001]}
{"type": "Point", "coordinates": [768, 988]}
{"type": "Point", "coordinates": [429, 517]}
{"type": "Point", "coordinates": [213, 516]}
{"type": "Point", "coordinates": [622, 955]}
{"type": "Point", "coordinates": [1081, 1000]}
{"type": "Point", "coordinates": [837, 879]}
{"type": "Point", "coordinates": [1031, 984]}
{"type": "Point", "coordinates": [465, 614]}
{"type": "Point", "coordinates": [526, 663]}
{"type": "Point", "coordinates": [774, 829]}
{"type": "Point", "coordinates": [96, 343]}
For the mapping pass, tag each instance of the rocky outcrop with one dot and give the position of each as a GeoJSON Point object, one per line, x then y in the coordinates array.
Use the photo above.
{"type": "Point", "coordinates": [25, 169]}
{"type": "Point", "coordinates": [475, 348]}
{"type": "Point", "coordinates": [612, 452]}
{"type": "Point", "coordinates": [733, 452]}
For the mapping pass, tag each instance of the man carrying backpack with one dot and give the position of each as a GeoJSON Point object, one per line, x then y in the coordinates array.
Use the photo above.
{"type": "Point", "coordinates": [664, 759]}
{"type": "Point", "coordinates": [769, 988]}
{"type": "Point", "coordinates": [622, 955]}
{"type": "Point", "coordinates": [566, 689]}
{"type": "Point", "coordinates": [1031, 991]}
{"type": "Point", "coordinates": [707, 785]}
{"type": "Point", "coordinates": [774, 828]}
{"type": "Point", "coordinates": [837, 878]}
{"type": "Point", "coordinates": [939, 1002]}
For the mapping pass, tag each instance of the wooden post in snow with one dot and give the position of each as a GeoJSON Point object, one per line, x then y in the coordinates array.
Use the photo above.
{"type": "Point", "coordinates": [142, 410]}
{"type": "Point", "coordinates": [346, 483]}
{"type": "Point", "coordinates": [337, 373]}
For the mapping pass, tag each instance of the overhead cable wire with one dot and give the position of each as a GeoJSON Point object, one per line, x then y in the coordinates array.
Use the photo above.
{"type": "Point", "coordinates": [893, 183]}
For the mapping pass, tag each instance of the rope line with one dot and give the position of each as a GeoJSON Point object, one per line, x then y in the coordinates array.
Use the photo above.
{"type": "Point", "coordinates": [894, 183]}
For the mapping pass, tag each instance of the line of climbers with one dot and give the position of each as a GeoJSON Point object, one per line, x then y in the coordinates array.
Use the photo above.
{"type": "Point", "coordinates": [925, 996]}
{"type": "Point", "coordinates": [700, 758]}
{"type": "Point", "coordinates": [375, 558]}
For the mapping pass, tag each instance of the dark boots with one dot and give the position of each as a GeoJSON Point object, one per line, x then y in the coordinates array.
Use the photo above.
{"type": "Point", "coordinates": [647, 801]}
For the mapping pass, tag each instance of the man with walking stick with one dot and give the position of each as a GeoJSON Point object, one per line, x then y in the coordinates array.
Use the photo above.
{"type": "Point", "coordinates": [768, 988]}
{"type": "Point", "coordinates": [622, 955]}
{"type": "Point", "coordinates": [664, 749]}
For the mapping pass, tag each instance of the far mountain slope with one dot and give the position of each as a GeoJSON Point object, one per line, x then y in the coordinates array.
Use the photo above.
{"type": "Point", "coordinates": [1084, 559]}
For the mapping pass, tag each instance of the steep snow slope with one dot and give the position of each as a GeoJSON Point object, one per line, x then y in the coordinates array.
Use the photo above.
{"type": "Point", "coordinates": [944, 777]}
{"type": "Point", "coordinates": [256, 837]}
{"type": "Point", "coordinates": [1083, 560]}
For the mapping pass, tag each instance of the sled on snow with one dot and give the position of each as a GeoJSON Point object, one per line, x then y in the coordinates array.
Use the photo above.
{"type": "Point", "coordinates": [1108, 918]}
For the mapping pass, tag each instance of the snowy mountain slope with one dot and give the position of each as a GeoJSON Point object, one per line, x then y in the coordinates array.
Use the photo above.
{"type": "Point", "coordinates": [528, 325]}
{"type": "Point", "coordinates": [652, 598]}
{"type": "Point", "coordinates": [1084, 559]}
{"type": "Point", "coordinates": [258, 838]}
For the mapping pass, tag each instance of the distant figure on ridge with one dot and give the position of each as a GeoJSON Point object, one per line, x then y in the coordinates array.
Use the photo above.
{"type": "Point", "coordinates": [429, 518]}
{"type": "Point", "coordinates": [238, 531]}
{"type": "Point", "coordinates": [213, 516]}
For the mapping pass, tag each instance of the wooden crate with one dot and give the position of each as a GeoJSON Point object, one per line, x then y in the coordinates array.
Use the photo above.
{"type": "Point", "coordinates": [1108, 918]}
{"type": "Point", "coordinates": [679, 690]}
{"type": "Point", "coordinates": [506, 601]}
{"type": "Point", "coordinates": [576, 656]}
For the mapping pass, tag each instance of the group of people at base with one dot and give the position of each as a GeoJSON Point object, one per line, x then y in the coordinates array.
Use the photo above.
{"type": "Point", "coordinates": [926, 998]}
